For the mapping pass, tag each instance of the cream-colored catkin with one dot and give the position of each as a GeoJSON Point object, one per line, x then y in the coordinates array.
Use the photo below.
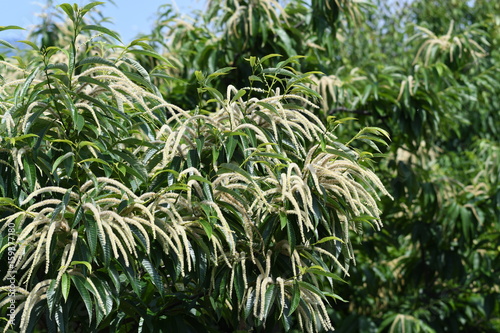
{"type": "Point", "coordinates": [281, 284]}
{"type": "Point", "coordinates": [257, 295]}
{"type": "Point", "coordinates": [97, 218]}
{"type": "Point", "coordinates": [97, 295]}
{"type": "Point", "coordinates": [231, 282]}
{"type": "Point", "coordinates": [51, 189]}
{"type": "Point", "coordinates": [244, 269]}
{"type": "Point", "coordinates": [36, 294]}
{"type": "Point", "coordinates": [141, 229]}
{"type": "Point", "coordinates": [125, 235]}
{"type": "Point", "coordinates": [263, 291]}
{"type": "Point", "coordinates": [187, 245]}
{"type": "Point", "coordinates": [69, 250]}
{"type": "Point", "coordinates": [48, 253]}
{"type": "Point", "coordinates": [38, 254]}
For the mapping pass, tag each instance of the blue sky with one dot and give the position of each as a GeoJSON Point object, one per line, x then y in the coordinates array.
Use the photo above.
{"type": "Point", "coordinates": [130, 17]}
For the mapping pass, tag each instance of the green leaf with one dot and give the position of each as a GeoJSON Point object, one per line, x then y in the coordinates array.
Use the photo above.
{"type": "Point", "coordinates": [94, 60]}
{"type": "Point", "coordinates": [295, 297]}
{"type": "Point", "coordinates": [200, 179]}
{"type": "Point", "coordinates": [136, 167]}
{"type": "Point", "coordinates": [215, 93]}
{"type": "Point", "coordinates": [238, 95]}
{"type": "Point", "coordinates": [234, 168]}
{"type": "Point", "coordinates": [61, 66]}
{"type": "Point", "coordinates": [80, 285]}
{"type": "Point", "coordinates": [61, 207]}
{"type": "Point", "coordinates": [151, 54]}
{"type": "Point", "coordinates": [30, 172]}
{"type": "Point", "coordinates": [65, 286]}
{"type": "Point", "coordinates": [254, 78]}
{"type": "Point", "coordinates": [269, 296]}
{"type": "Point", "coordinates": [5, 43]}
{"type": "Point", "coordinates": [79, 122]}
{"type": "Point", "coordinates": [311, 287]}
{"type": "Point", "coordinates": [280, 71]}
{"type": "Point", "coordinates": [268, 106]}
{"type": "Point", "coordinates": [239, 285]}
{"type": "Point", "coordinates": [322, 272]}
{"type": "Point", "coordinates": [249, 305]}
{"type": "Point", "coordinates": [222, 71]}
{"type": "Point", "coordinates": [291, 236]}
{"type": "Point", "coordinates": [68, 9]}
{"type": "Point", "coordinates": [10, 27]}
{"type": "Point", "coordinates": [85, 263]}
{"type": "Point", "coordinates": [103, 30]}
{"type": "Point", "coordinates": [335, 296]}
{"type": "Point", "coordinates": [77, 217]}
{"type": "Point", "coordinates": [283, 220]}
{"type": "Point", "coordinates": [60, 159]}
{"type": "Point", "coordinates": [155, 277]}
{"type": "Point", "coordinates": [6, 201]}
{"type": "Point", "coordinates": [233, 193]}
{"type": "Point", "coordinates": [230, 146]}
{"type": "Point", "coordinates": [96, 160]}
{"type": "Point", "coordinates": [91, 5]}
{"type": "Point", "coordinates": [24, 89]}
{"type": "Point", "coordinates": [327, 239]}
{"type": "Point", "coordinates": [207, 226]}
{"type": "Point", "coordinates": [285, 39]}
{"type": "Point", "coordinates": [91, 233]}
{"type": "Point", "coordinates": [53, 296]}
{"type": "Point", "coordinates": [269, 56]}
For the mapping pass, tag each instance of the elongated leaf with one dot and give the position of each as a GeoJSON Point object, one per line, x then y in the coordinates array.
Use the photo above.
{"type": "Point", "coordinates": [65, 286]}
{"type": "Point", "coordinates": [325, 273]}
{"type": "Point", "coordinates": [335, 296]}
{"type": "Point", "coordinates": [60, 159]}
{"type": "Point", "coordinates": [10, 27]}
{"type": "Point", "coordinates": [30, 172]}
{"type": "Point", "coordinates": [63, 67]}
{"type": "Point", "coordinates": [327, 239]}
{"type": "Point", "coordinates": [291, 236]}
{"type": "Point", "coordinates": [155, 277]}
{"type": "Point", "coordinates": [311, 287]}
{"type": "Point", "coordinates": [68, 9]}
{"type": "Point", "coordinates": [91, 233]}
{"type": "Point", "coordinates": [234, 168]}
{"type": "Point", "coordinates": [151, 54]}
{"type": "Point", "coordinates": [94, 60]}
{"type": "Point", "coordinates": [238, 95]}
{"type": "Point", "coordinates": [5, 43]}
{"type": "Point", "coordinates": [91, 5]}
{"type": "Point", "coordinates": [269, 298]}
{"type": "Point", "coordinates": [24, 89]}
{"type": "Point", "coordinates": [61, 207]}
{"type": "Point", "coordinates": [103, 30]}
{"type": "Point", "coordinates": [295, 297]}
{"type": "Point", "coordinates": [85, 263]}
{"type": "Point", "coordinates": [207, 226]}
{"type": "Point", "coordinates": [79, 283]}
{"type": "Point", "coordinates": [269, 56]}
{"type": "Point", "coordinates": [233, 193]}
{"type": "Point", "coordinates": [96, 160]}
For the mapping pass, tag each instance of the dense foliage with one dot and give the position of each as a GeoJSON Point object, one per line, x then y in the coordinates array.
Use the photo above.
{"type": "Point", "coordinates": [210, 176]}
